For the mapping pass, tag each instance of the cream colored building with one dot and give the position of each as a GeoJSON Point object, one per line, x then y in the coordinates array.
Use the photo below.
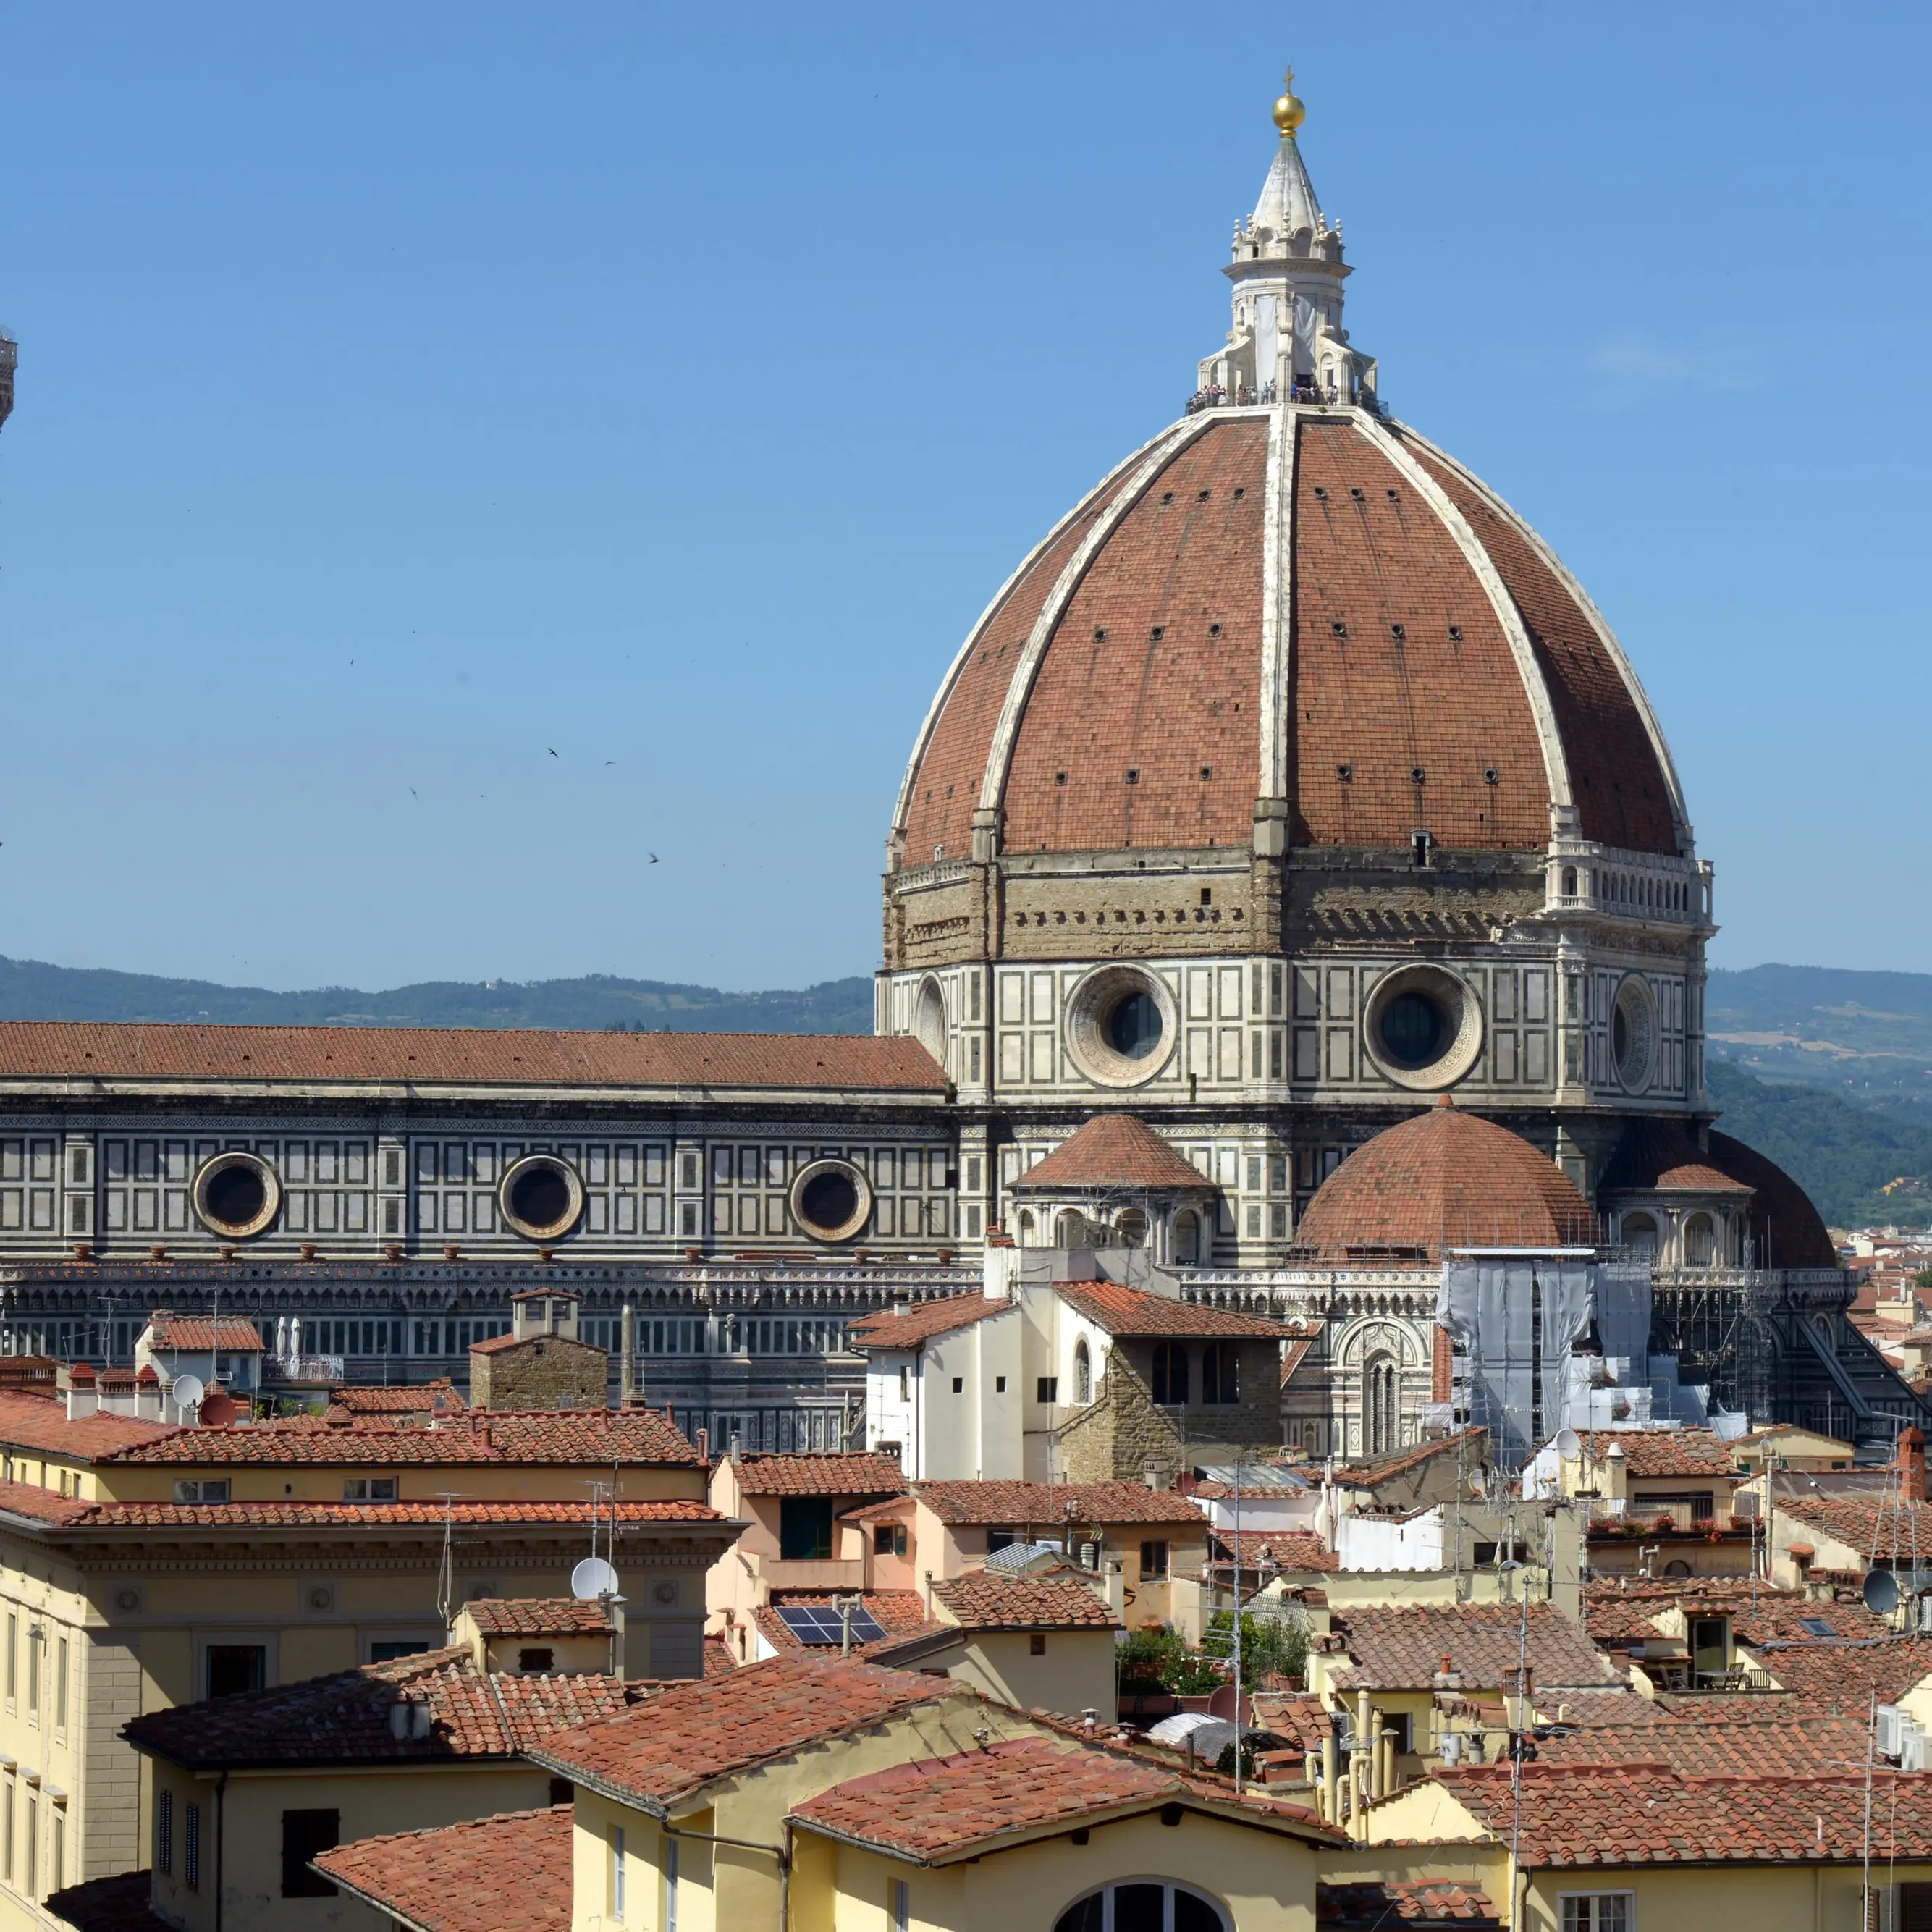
{"type": "Point", "coordinates": [143, 1567]}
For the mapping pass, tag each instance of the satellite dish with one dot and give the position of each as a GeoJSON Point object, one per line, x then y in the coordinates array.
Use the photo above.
{"type": "Point", "coordinates": [592, 1578]}
{"type": "Point", "coordinates": [188, 1392]}
{"type": "Point", "coordinates": [1881, 1592]}
{"type": "Point", "coordinates": [1569, 1445]}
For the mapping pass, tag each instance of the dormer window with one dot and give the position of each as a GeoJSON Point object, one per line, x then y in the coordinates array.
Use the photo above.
{"type": "Point", "coordinates": [368, 1488]}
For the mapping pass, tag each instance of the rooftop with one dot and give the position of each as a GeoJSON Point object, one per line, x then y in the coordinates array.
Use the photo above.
{"type": "Point", "coordinates": [1444, 1178]}
{"type": "Point", "coordinates": [829, 1474]}
{"type": "Point", "coordinates": [1021, 1505]}
{"type": "Point", "coordinates": [978, 1601]}
{"type": "Point", "coordinates": [897, 1612]}
{"type": "Point", "coordinates": [345, 1718]}
{"type": "Point", "coordinates": [1472, 1442]}
{"type": "Point", "coordinates": [1597, 1815]}
{"type": "Point", "coordinates": [435, 1397]}
{"type": "Point", "coordinates": [167, 1330]}
{"type": "Point", "coordinates": [1402, 1649]}
{"type": "Point", "coordinates": [907, 1327]}
{"type": "Point", "coordinates": [1370, 1905]}
{"type": "Point", "coordinates": [29, 1500]}
{"type": "Point", "coordinates": [1128, 1313]}
{"type": "Point", "coordinates": [1113, 1151]}
{"type": "Point", "coordinates": [537, 1616]}
{"type": "Point", "coordinates": [59, 1049]}
{"type": "Point", "coordinates": [1662, 1452]}
{"type": "Point", "coordinates": [39, 1423]}
{"type": "Point", "coordinates": [512, 1872]}
{"type": "Point", "coordinates": [597, 1436]}
{"type": "Point", "coordinates": [940, 1809]}
{"type": "Point", "coordinates": [694, 1733]}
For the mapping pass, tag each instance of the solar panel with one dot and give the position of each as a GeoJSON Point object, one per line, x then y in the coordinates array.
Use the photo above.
{"type": "Point", "coordinates": [820, 1623]}
{"type": "Point", "coordinates": [1817, 1627]}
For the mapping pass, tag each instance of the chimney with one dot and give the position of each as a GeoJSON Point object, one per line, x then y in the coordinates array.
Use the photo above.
{"type": "Point", "coordinates": [1912, 1465]}
{"type": "Point", "coordinates": [614, 1606]}
{"type": "Point", "coordinates": [703, 1445]}
{"type": "Point", "coordinates": [83, 1395]}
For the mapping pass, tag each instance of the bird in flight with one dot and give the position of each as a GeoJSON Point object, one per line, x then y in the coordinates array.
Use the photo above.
{"type": "Point", "coordinates": [654, 858]}
{"type": "Point", "coordinates": [552, 754]}
{"type": "Point", "coordinates": [412, 791]}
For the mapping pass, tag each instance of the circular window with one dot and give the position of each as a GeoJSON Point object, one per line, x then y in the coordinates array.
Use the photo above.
{"type": "Point", "coordinates": [237, 1195]}
{"type": "Point", "coordinates": [1633, 1029]}
{"type": "Point", "coordinates": [541, 1196]}
{"type": "Point", "coordinates": [831, 1200]}
{"type": "Point", "coordinates": [1422, 1026]}
{"type": "Point", "coordinates": [1120, 1026]}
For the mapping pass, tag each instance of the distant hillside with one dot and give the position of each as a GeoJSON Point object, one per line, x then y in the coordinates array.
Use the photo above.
{"type": "Point", "coordinates": [1843, 1154]}
{"type": "Point", "coordinates": [30, 991]}
{"type": "Point", "coordinates": [1867, 1035]}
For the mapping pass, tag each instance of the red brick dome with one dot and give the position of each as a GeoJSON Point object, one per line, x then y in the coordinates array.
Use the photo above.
{"type": "Point", "coordinates": [1314, 606]}
{"type": "Point", "coordinates": [1444, 1178]}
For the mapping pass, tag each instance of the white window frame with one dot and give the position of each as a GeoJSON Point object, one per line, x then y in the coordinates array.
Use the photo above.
{"type": "Point", "coordinates": [1591, 1898]}
{"type": "Point", "coordinates": [617, 1873]}
{"type": "Point", "coordinates": [1169, 1887]}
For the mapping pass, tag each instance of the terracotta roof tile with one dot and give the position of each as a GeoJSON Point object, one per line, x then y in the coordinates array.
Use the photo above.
{"type": "Point", "coordinates": [345, 1719]}
{"type": "Point", "coordinates": [462, 1055]}
{"type": "Point", "coordinates": [437, 1397]}
{"type": "Point", "coordinates": [1445, 1177]}
{"type": "Point", "coordinates": [1791, 1743]}
{"type": "Point", "coordinates": [1113, 1151]}
{"type": "Point", "coordinates": [1659, 1156]}
{"type": "Point", "coordinates": [537, 1616]}
{"type": "Point", "coordinates": [1472, 1442]}
{"type": "Point", "coordinates": [1626, 1815]}
{"type": "Point", "coordinates": [25, 1499]}
{"type": "Point", "coordinates": [1284, 1549]}
{"type": "Point", "coordinates": [115, 1904]}
{"type": "Point", "coordinates": [1787, 1231]}
{"type": "Point", "coordinates": [1402, 1649]}
{"type": "Point", "coordinates": [168, 1330]}
{"type": "Point", "coordinates": [719, 1661]}
{"type": "Point", "coordinates": [512, 1872]}
{"type": "Point", "coordinates": [897, 1612]}
{"type": "Point", "coordinates": [1842, 1676]}
{"type": "Point", "coordinates": [1127, 1312]}
{"type": "Point", "coordinates": [1866, 1521]}
{"type": "Point", "coordinates": [1366, 1905]}
{"type": "Point", "coordinates": [695, 1733]}
{"type": "Point", "coordinates": [39, 1423]}
{"type": "Point", "coordinates": [1663, 1452]}
{"type": "Point", "coordinates": [940, 1808]}
{"type": "Point", "coordinates": [978, 1601]}
{"type": "Point", "coordinates": [1050, 1505]}
{"type": "Point", "coordinates": [1627, 1611]}
{"type": "Point", "coordinates": [892, 1328]}
{"type": "Point", "coordinates": [829, 1474]}
{"type": "Point", "coordinates": [601, 1436]}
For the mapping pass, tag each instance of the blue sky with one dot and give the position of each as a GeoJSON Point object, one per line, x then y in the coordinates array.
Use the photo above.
{"type": "Point", "coordinates": [408, 392]}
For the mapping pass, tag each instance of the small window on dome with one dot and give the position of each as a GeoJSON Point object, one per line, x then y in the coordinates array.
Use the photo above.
{"type": "Point", "coordinates": [1455, 634]}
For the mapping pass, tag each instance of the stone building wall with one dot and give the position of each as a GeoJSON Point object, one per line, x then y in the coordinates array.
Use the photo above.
{"type": "Point", "coordinates": [1123, 1433]}
{"type": "Point", "coordinates": [541, 1372]}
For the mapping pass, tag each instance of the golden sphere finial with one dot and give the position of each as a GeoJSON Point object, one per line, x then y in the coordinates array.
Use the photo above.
{"type": "Point", "coordinates": [1289, 113]}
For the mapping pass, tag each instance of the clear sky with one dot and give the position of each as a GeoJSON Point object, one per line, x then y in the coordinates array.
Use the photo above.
{"type": "Point", "coordinates": [407, 392]}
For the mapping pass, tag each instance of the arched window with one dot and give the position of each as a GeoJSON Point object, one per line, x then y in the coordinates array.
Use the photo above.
{"type": "Point", "coordinates": [1170, 1372]}
{"type": "Point", "coordinates": [1026, 1227]}
{"type": "Point", "coordinates": [1133, 1227]}
{"type": "Point", "coordinates": [1640, 1231]}
{"type": "Point", "coordinates": [1187, 1236]}
{"type": "Point", "coordinates": [1380, 1425]}
{"type": "Point", "coordinates": [1569, 882]}
{"type": "Point", "coordinates": [1218, 1379]}
{"type": "Point", "coordinates": [1700, 1241]}
{"type": "Point", "coordinates": [1083, 1371]}
{"type": "Point", "coordinates": [1070, 1230]}
{"type": "Point", "coordinates": [1143, 1905]}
